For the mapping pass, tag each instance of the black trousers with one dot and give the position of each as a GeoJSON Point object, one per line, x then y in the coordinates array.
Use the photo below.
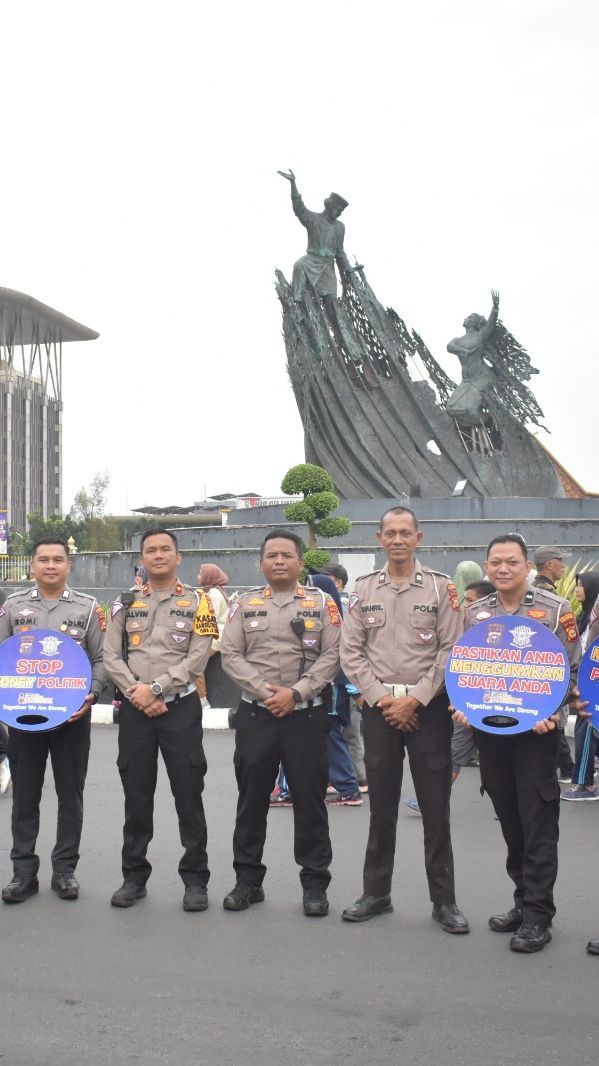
{"type": "Point", "coordinates": [178, 736]}
{"type": "Point", "coordinates": [299, 742]}
{"type": "Point", "coordinates": [28, 753]}
{"type": "Point", "coordinates": [3, 742]}
{"type": "Point", "coordinates": [519, 774]}
{"type": "Point", "coordinates": [429, 752]}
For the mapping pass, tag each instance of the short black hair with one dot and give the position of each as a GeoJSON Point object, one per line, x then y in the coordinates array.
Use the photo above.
{"type": "Point", "coordinates": [397, 510]}
{"type": "Point", "coordinates": [283, 534]}
{"type": "Point", "coordinates": [335, 570]}
{"type": "Point", "coordinates": [483, 588]}
{"type": "Point", "coordinates": [50, 540]}
{"type": "Point", "coordinates": [155, 532]}
{"type": "Point", "coordinates": [509, 538]}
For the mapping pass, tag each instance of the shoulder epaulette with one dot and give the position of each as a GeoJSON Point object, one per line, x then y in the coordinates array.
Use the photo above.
{"type": "Point", "coordinates": [372, 573]}
{"type": "Point", "coordinates": [84, 595]}
{"type": "Point", "coordinates": [20, 592]}
{"type": "Point", "coordinates": [437, 573]}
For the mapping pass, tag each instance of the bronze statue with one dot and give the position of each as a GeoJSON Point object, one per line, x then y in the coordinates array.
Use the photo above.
{"type": "Point", "coordinates": [477, 355]}
{"type": "Point", "coordinates": [494, 370]}
{"type": "Point", "coordinates": [325, 244]}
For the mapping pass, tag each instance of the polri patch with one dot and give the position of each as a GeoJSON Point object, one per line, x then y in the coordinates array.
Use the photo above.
{"type": "Point", "coordinates": [116, 607]}
{"type": "Point", "coordinates": [569, 625]}
{"type": "Point", "coordinates": [101, 619]}
{"type": "Point", "coordinates": [334, 615]}
{"type": "Point", "coordinates": [353, 599]}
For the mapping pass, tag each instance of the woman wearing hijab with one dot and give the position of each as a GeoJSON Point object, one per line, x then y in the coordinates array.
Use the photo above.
{"type": "Point", "coordinates": [466, 573]}
{"type": "Point", "coordinates": [586, 743]}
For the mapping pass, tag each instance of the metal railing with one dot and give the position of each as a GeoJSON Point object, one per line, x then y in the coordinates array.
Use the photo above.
{"type": "Point", "coordinates": [14, 567]}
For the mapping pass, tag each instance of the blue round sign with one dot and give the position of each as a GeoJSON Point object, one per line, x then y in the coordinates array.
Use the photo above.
{"type": "Point", "coordinates": [44, 678]}
{"type": "Point", "coordinates": [588, 680]}
{"type": "Point", "coordinates": [507, 673]}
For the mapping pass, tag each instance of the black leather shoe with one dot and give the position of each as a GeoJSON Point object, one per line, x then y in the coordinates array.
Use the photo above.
{"type": "Point", "coordinates": [593, 946]}
{"type": "Point", "coordinates": [195, 898]}
{"type": "Point", "coordinates": [508, 922]}
{"type": "Point", "coordinates": [242, 896]}
{"type": "Point", "coordinates": [128, 894]}
{"type": "Point", "coordinates": [366, 907]}
{"type": "Point", "coordinates": [20, 889]}
{"type": "Point", "coordinates": [451, 918]}
{"type": "Point", "coordinates": [65, 885]}
{"type": "Point", "coordinates": [316, 904]}
{"type": "Point", "coordinates": [530, 937]}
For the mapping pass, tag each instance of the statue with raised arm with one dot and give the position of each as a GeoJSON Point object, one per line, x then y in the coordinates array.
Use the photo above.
{"type": "Point", "coordinates": [495, 368]}
{"type": "Point", "coordinates": [325, 243]}
{"type": "Point", "coordinates": [477, 356]}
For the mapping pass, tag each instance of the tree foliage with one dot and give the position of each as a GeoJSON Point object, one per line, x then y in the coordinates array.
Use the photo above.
{"type": "Point", "coordinates": [316, 486]}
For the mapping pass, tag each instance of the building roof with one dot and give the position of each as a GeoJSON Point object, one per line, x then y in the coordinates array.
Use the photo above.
{"type": "Point", "coordinates": [24, 320]}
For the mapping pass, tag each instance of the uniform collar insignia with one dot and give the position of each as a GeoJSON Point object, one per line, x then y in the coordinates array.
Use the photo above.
{"type": "Point", "coordinates": [267, 592]}
{"type": "Point", "coordinates": [493, 599]}
{"type": "Point", "coordinates": [178, 588]}
{"type": "Point", "coordinates": [300, 591]}
{"type": "Point", "coordinates": [146, 589]}
{"type": "Point", "coordinates": [66, 594]}
{"type": "Point", "coordinates": [34, 594]}
{"type": "Point", "coordinates": [529, 597]}
{"type": "Point", "coordinates": [382, 576]}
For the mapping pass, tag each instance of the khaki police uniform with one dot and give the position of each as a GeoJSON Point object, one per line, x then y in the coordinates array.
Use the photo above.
{"type": "Point", "coordinates": [81, 618]}
{"type": "Point", "coordinates": [168, 635]}
{"type": "Point", "coordinates": [395, 640]}
{"type": "Point", "coordinates": [259, 647]}
{"type": "Point", "coordinates": [519, 772]}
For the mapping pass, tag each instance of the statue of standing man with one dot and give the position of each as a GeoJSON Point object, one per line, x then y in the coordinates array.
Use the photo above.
{"type": "Point", "coordinates": [325, 244]}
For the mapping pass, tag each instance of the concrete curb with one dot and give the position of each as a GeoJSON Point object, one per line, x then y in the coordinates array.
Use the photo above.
{"type": "Point", "coordinates": [213, 717]}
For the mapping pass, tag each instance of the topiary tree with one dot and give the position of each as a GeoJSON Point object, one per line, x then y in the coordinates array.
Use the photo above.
{"type": "Point", "coordinates": [316, 486]}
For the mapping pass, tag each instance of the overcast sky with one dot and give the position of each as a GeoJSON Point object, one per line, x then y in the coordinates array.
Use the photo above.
{"type": "Point", "coordinates": [140, 148]}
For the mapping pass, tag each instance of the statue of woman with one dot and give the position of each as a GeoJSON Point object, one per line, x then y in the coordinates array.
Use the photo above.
{"type": "Point", "coordinates": [478, 356]}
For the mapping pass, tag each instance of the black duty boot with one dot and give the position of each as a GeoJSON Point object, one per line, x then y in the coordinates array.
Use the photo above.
{"type": "Point", "coordinates": [366, 907]}
{"type": "Point", "coordinates": [195, 898]}
{"type": "Point", "coordinates": [20, 889]}
{"type": "Point", "coordinates": [242, 896]}
{"type": "Point", "coordinates": [316, 904]}
{"type": "Point", "coordinates": [65, 885]}
{"type": "Point", "coordinates": [128, 894]}
{"type": "Point", "coordinates": [451, 918]}
{"type": "Point", "coordinates": [508, 922]}
{"type": "Point", "coordinates": [530, 937]}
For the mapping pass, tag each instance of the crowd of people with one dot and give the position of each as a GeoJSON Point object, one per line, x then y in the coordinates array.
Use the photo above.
{"type": "Point", "coordinates": [336, 689]}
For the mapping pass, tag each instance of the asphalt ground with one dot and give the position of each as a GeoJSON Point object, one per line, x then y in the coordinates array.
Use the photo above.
{"type": "Point", "coordinates": [84, 983]}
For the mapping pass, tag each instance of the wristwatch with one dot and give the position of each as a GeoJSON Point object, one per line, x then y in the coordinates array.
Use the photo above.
{"type": "Point", "coordinates": [156, 688]}
{"type": "Point", "coordinates": [297, 696]}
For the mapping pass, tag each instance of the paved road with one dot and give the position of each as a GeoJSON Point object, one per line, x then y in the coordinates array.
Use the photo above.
{"type": "Point", "coordinates": [83, 983]}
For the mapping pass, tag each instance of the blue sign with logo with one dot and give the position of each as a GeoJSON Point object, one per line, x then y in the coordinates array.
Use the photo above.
{"type": "Point", "coordinates": [44, 678]}
{"type": "Point", "coordinates": [588, 681]}
{"type": "Point", "coordinates": [507, 673]}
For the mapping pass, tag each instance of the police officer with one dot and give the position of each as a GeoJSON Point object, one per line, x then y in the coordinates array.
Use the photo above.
{"type": "Point", "coordinates": [280, 645]}
{"type": "Point", "coordinates": [51, 604]}
{"type": "Point", "coordinates": [519, 771]}
{"type": "Point", "coordinates": [402, 623]}
{"type": "Point", "coordinates": [169, 630]}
